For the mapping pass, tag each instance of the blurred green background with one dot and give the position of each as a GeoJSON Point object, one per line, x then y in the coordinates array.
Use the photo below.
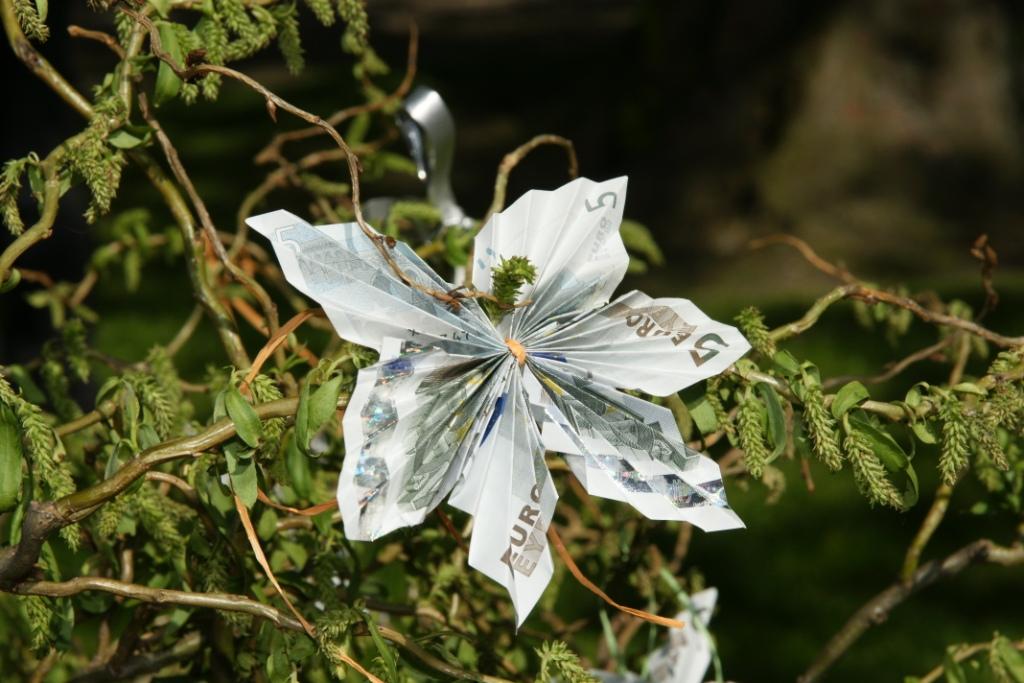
{"type": "Point", "coordinates": [886, 133]}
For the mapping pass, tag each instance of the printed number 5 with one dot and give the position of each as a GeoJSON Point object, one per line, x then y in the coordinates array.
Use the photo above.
{"type": "Point", "coordinates": [600, 201]}
{"type": "Point", "coordinates": [701, 345]}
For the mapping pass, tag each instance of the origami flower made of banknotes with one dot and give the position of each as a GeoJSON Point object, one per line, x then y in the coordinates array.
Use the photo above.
{"type": "Point", "coordinates": [686, 656]}
{"type": "Point", "coordinates": [464, 408]}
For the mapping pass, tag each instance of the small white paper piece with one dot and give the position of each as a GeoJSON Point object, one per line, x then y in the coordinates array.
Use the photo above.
{"type": "Point", "coordinates": [686, 656]}
{"type": "Point", "coordinates": [449, 411]}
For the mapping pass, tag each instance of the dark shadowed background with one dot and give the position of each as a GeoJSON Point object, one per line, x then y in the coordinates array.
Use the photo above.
{"type": "Point", "coordinates": [886, 133]}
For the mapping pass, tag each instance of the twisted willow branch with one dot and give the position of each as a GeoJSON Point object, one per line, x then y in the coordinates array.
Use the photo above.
{"type": "Point", "coordinates": [871, 296]}
{"type": "Point", "coordinates": [876, 610]}
{"type": "Point", "coordinates": [230, 603]}
{"type": "Point", "coordinates": [42, 519]}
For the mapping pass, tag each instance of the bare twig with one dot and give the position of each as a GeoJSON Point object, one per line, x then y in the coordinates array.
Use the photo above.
{"type": "Point", "coordinates": [895, 369]}
{"type": "Point", "coordinates": [959, 655]}
{"type": "Point", "coordinates": [205, 220]}
{"type": "Point", "coordinates": [984, 252]}
{"type": "Point", "coordinates": [807, 252]}
{"type": "Point", "coordinates": [161, 596]}
{"type": "Point", "coordinates": [273, 149]}
{"type": "Point", "coordinates": [37, 64]}
{"type": "Point", "coordinates": [44, 226]}
{"type": "Point", "coordinates": [177, 482]}
{"type": "Point", "coordinates": [932, 520]}
{"type": "Point", "coordinates": [512, 159]}
{"type": "Point", "coordinates": [877, 609]}
{"type": "Point", "coordinates": [99, 36]}
{"type": "Point", "coordinates": [275, 102]}
{"type": "Point", "coordinates": [225, 326]}
{"type": "Point", "coordinates": [188, 328]}
{"type": "Point", "coordinates": [102, 412]}
{"type": "Point", "coordinates": [813, 314]}
{"type": "Point", "coordinates": [870, 295]}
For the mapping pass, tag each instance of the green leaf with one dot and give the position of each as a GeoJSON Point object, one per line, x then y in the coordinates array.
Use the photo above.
{"type": "Point", "coordinates": [266, 527]}
{"type": "Point", "coordinates": [954, 672]}
{"type": "Point", "coordinates": [383, 649]}
{"type": "Point", "coordinates": [969, 388]}
{"type": "Point", "coordinates": [121, 453]}
{"type": "Point", "coordinates": [11, 457]}
{"type": "Point", "coordinates": [912, 491]}
{"type": "Point", "coordinates": [107, 388]}
{"type": "Point", "coordinates": [30, 391]}
{"type": "Point", "coordinates": [243, 415]}
{"type": "Point", "coordinates": [298, 469]}
{"type": "Point", "coordinates": [916, 394]}
{"type": "Point", "coordinates": [167, 82]}
{"type": "Point", "coordinates": [924, 432]}
{"type": "Point", "coordinates": [776, 418]}
{"type": "Point", "coordinates": [42, 9]}
{"type": "Point", "coordinates": [786, 363]}
{"type": "Point", "coordinates": [242, 472]}
{"type": "Point", "coordinates": [302, 434]}
{"type": "Point", "coordinates": [849, 396]}
{"type": "Point", "coordinates": [801, 442]}
{"type": "Point", "coordinates": [123, 138]}
{"type": "Point", "coordinates": [884, 446]}
{"type": "Point", "coordinates": [1012, 659]}
{"type": "Point", "coordinates": [296, 552]}
{"type": "Point", "coordinates": [130, 411]}
{"type": "Point", "coordinates": [638, 239]}
{"type": "Point", "coordinates": [703, 416]}
{"type": "Point", "coordinates": [323, 404]}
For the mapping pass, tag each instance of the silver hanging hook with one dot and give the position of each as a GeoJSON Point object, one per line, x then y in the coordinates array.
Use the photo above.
{"type": "Point", "coordinates": [429, 131]}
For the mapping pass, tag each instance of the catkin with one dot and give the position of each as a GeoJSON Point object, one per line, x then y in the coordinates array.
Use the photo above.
{"type": "Point", "coordinates": [869, 473]}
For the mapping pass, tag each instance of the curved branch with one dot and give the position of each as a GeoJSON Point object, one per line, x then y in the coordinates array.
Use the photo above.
{"type": "Point", "coordinates": [231, 603]}
{"type": "Point", "coordinates": [870, 295]}
{"type": "Point", "coordinates": [274, 102]}
{"type": "Point", "coordinates": [146, 663]}
{"type": "Point", "coordinates": [226, 329]}
{"type": "Point", "coordinates": [160, 596]}
{"type": "Point", "coordinates": [43, 228]}
{"type": "Point", "coordinates": [42, 519]}
{"type": "Point", "coordinates": [807, 252]}
{"type": "Point", "coordinates": [273, 149]}
{"type": "Point", "coordinates": [37, 64]}
{"type": "Point", "coordinates": [512, 159]}
{"type": "Point", "coordinates": [877, 609]}
{"type": "Point", "coordinates": [205, 220]}
{"type": "Point", "coordinates": [875, 296]}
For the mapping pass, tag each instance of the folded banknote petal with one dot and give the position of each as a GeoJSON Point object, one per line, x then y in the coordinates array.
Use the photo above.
{"type": "Point", "coordinates": [343, 270]}
{"type": "Point", "coordinates": [511, 496]}
{"type": "Point", "coordinates": [659, 346]}
{"type": "Point", "coordinates": [624, 448]}
{"type": "Point", "coordinates": [410, 424]}
{"type": "Point", "coordinates": [572, 237]}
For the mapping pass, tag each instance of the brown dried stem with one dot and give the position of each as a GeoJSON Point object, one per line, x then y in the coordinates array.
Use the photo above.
{"type": "Point", "coordinates": [807, 252]}
{"type": "Point", "coordinates": [273, 150]}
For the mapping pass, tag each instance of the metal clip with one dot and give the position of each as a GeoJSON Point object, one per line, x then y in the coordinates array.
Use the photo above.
{"type": "Point", "coordinates": [429, 131]}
